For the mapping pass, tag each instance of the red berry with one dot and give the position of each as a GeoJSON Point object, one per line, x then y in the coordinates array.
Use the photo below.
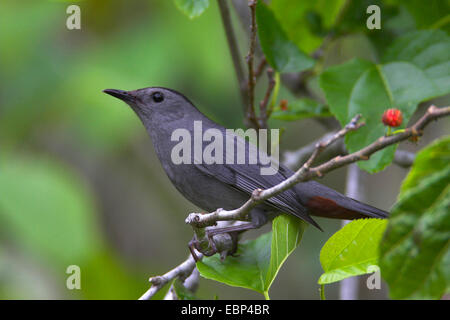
{"type": "Point", "coordinates": [284, 104]}
{"type": "Point", "coordinates": [392, 118]}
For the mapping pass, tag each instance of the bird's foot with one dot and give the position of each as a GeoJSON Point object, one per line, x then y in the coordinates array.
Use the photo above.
{"type": "Point", "coordinates": [207, 251]}
{"type": "Point", "coordinates": [228, 245]}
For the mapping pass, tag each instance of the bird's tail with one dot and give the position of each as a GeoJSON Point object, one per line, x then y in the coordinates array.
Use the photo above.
{"type": "Point", "coordinates": [325, 202]}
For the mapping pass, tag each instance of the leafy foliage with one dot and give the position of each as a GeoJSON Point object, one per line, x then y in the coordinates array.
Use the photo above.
{"type": "Point", "coordinates": [300, 109]}
{"type": "Point", "coordinates": [306, 22]}
{"type": "Point", "coordinates": [428, 50]}
{"type": "Point", "coordinates": [41, 193]}
{"type": "Point", "coordinates": [402, 82]}
{"type": "Point", "coordinates": [192, 8]}
{"type": "Point", "coordinates": [431, 159]}
{"type": "Point", "coordinates": [246, 270]}
{"type": "Point", "coordinates": [258, 261]}
{"type": "Point", "coordinates": [53, 110]}
{"type": "Point", "coordinates": [181, 291]}
{"type": "Point", "coordinates": [46, 209]}
{"type": "Point", "coordinates": [415, 251]}
{"type": "Point", "coordinates": [352, 250]}
{"type": "Point", "coordinates": [281, 53]}
{"type": "Point", "coordinates": [287, 232]}
{"type": "Point", "coordinates": [433, 15]}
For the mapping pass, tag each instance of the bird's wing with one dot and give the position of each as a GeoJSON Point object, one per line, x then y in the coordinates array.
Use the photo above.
{"type": "Point", "coordinates": [247, 178]}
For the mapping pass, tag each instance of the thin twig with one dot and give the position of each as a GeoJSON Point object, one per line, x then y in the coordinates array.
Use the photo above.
{"type": "Point", "coordinates": [262, 65]}
{"type": "Point", "coordinates": [294, 158]}
{"type": "Point", "coordinates": [351, 126]}
{"type": "Point", "coordinates": [251, 81]}
{"type": "Point", "coordinates": [191, 284]}
{"type": "Point", "coordinates": [415, 130]}
{"type": "Point", "coordinates": [263, 115]}
{"type": "Point", "coordinates": [182, 271]}
{"type": "Point", "coordinates": [234, 51]}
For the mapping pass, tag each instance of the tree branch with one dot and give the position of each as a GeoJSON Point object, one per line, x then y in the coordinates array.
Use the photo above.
{"type": "Point", "coordinates": [234, 51]}
{"type": "Point", "coordinates": [182, 271]}
{"type": "Point", "coordinates": [292, 159]}
{"type": "Point", "coordinates": [251, 81]}
{"type": "Point", "coordinates": [264, 115]}
{"type": "Point", "coordinates": [191, 284]}
{"type": "Point", "coordinates": [262, 65]}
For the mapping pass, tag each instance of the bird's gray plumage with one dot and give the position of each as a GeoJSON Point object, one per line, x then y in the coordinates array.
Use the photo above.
{"type": "Point", "coordinates": [228, 186]}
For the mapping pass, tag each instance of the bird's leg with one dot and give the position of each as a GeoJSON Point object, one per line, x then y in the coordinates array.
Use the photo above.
{"type": "Point", "coordinates": [233, 231]}
{"type": "Point", "coordinates": [192, 247]}
{"type": "Point", "coordinates": [229, 233]}
{"type": "Point", "coordinates": [197, 244]}
{"type": "Point", "coordinates": [235, 240]}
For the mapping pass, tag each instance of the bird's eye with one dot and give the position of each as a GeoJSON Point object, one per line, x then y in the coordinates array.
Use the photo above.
{"type": "Point", "coordinates": [158, 97]}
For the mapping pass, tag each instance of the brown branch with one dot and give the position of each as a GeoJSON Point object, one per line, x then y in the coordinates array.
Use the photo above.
{"type": "Point", "coordinates": [263, 114]}
{"type": "Point", "coordinates": [351, 126]}
{"type": "Point", "coordinates": [294, 158]}
{"type": "Point", "coordinates": [234, 51]}
{"type": "Point", "coordinates": [262, 65]}
{"type": "Point", "coordinates": [383, 142]}
{"type": "Point", "coordinates": [251, 81]}
{"type": "Point", "coordinates": [182, 271]}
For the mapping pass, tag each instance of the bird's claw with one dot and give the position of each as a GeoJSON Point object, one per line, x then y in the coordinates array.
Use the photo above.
{"type": "Point", "coordinates": [211, 249]}
{"type": "Point", "coordinates": [194, 244]}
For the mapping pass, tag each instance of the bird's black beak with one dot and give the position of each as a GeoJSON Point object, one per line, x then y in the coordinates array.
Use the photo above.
{"type": "Point", "coordinates": [121, 94]}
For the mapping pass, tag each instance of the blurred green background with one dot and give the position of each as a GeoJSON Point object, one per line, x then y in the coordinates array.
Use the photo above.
{"type": "Point", "coordinates": [80, 183]}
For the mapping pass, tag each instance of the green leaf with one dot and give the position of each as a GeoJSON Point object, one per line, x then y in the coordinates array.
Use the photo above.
{"type": "Point", "coordinates": [416, 68]}
{"type": "Point", "coordinates": [287, 232]}
{"type": "Point", "coordinates": [337, 82]}
{"type": "Point", "coordinates": [428, 50]}
{"type": "Point", "coordinates": [415, 254]}
{"type": "Point", "coordinates": [435, 157]}
{"type": "Point", "coordinates": [192, 8]}
{"type": "Point", "coordinates": [247, 270]}
{"type": "Point", "coordinates": [300, 109]}
{"type": "Point", "coordinates": [182, 292]}
{"type": "Point", "coordinates": [352, 250]}
{"type": "Point", "coordinates": [258, 261]}
{"type": "Point", "coordinates": [362, 87]}
{"type": "Point", "coordinates": [46, 208]}
{"type": "Point", "coordinates": [431, 15]}
{"type": "Point", "coordinates": [281, 53]}
{"type": "Point", "coordinates": [306, 22]}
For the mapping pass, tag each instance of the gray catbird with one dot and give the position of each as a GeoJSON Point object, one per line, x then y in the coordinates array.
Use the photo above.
{"type": "Point", "coordinates": [229, 184]}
